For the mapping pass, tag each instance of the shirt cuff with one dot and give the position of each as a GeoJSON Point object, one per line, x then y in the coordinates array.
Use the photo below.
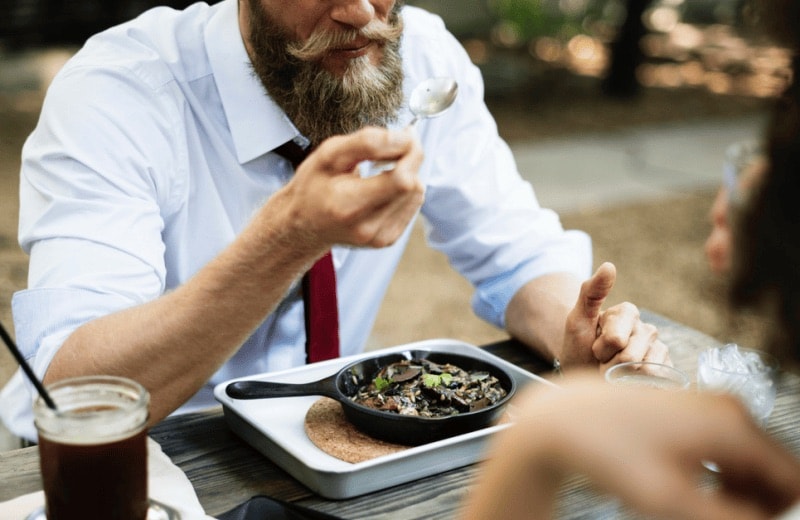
{"type": "Point", "coordinates": [573, 255]}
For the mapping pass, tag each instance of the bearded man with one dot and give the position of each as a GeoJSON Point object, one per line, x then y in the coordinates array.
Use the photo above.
{"type": "Point", "coordinates": [169, 231]}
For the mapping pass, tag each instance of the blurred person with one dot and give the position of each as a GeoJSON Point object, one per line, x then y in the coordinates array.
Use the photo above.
{"type": "Point", "coordinates": [766, 262]}
{"type": "Point", "coordinates": [647, 446]}
{"type": "Point", "coordinates": [779, 15]}
{"type": "Point", "coordinates": [730, 201]}
{"type": "Point", "coordinates": [169, 232]}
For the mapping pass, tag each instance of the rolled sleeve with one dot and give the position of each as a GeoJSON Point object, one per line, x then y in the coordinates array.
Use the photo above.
{"type": "Point", "coordinates": [46, 313]}
{"type": "Point", "coordinates": [571, 254]}
{"type": "Point", "coordinates": [43, 320]}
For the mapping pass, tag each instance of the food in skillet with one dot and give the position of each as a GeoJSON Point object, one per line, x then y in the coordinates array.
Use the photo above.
{"type": "Point", "coordinates": [423, 388]}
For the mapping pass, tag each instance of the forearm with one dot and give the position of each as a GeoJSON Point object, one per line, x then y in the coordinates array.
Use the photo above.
{"type": "Point", "coordinates": [537, 313]}
{"type": "Point", "coordinates": [173, 344]}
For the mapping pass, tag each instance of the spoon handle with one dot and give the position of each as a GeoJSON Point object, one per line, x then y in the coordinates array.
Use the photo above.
{"type": "Point", "coordinates": [386, 165]}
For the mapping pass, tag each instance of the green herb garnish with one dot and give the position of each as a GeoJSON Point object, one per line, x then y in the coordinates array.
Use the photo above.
{"type": "Point", "coordinates": [381, 383]}
{"type": "Point", "coordinates": [431, 380]}
{"type": "Point", "coordinates": [434, 380]}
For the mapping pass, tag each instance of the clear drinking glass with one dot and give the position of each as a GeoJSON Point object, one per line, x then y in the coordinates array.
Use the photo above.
{"type": "Point", "coordinates": [93, 449]}
{"type": "Point", "coordinates": [646, 373]}
{"type": "Point", "coordinates": [746, 373]}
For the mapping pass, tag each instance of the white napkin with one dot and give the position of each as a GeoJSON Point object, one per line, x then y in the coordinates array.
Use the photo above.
{"type": "Point", "coordinates": [167, 483]}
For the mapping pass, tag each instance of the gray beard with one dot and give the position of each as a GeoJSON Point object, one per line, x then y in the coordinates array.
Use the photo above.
{"type": "Point", "coordinates": [319, 103]}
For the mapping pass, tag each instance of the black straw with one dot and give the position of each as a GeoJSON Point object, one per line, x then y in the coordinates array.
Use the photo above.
{"type": "Point", "coordinates": [26, 368]}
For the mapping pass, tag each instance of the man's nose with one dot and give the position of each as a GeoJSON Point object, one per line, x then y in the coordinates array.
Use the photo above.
{"type": "Point", "coordinates": [355, 13]}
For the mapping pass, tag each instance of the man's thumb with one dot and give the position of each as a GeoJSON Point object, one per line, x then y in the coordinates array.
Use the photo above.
{"type": "Point", "coordinates": [596, 289]}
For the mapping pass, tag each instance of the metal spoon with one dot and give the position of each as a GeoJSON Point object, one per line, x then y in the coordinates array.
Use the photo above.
{"type": "Point", "coordinates": [429, 99]}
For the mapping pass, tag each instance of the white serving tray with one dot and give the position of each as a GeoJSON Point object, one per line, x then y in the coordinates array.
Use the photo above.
{"type": "Point", "coordinates": [275, 427]}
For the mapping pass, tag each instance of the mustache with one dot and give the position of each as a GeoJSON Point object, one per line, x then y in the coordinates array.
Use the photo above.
{"type": "Point", "coordinates": [322, 42]}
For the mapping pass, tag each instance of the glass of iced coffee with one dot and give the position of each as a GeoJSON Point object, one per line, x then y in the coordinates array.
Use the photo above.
{"type": "Point", "coordinates": [93, 448]}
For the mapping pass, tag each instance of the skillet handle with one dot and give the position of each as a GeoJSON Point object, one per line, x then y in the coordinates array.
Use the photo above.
{"type": "Point", "coordinates": [267, 389]}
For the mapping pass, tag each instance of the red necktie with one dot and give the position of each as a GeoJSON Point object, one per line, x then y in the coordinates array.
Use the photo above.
{"type": "Point", "coordinates": [319, 289]}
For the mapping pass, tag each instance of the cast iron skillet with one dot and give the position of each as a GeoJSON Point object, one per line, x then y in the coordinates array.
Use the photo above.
{"type": "Point", "coordinates": [388, 426]}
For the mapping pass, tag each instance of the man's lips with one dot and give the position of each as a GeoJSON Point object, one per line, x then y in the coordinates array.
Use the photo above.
{"type": "Point", "coordinates": [354, 50]}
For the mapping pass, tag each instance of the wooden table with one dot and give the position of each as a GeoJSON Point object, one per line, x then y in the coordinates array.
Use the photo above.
{"type": "Point", "coordinates": [225, 471]}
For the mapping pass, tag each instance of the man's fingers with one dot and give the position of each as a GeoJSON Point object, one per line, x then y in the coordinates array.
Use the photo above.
{"type": "Point", "coordinates": [618, 334]}
{"type": "Point", "coordinates": [371, 211]}
{"type": "Point", "coordinates": [658, 353]}
{"type": "Point", "coordinates": [629, 340]}
{"type": "Point", "coordinates": [344, 152]}
{"type": "Point", "coordinates": [388, 222]}
{"type": "Point", "coordinates": [596, 289]}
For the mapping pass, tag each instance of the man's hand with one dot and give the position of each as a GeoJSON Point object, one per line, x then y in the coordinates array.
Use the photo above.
{"type": "Point", "coordinates": [604, 338]}
{"type": "Point", "coordinates": [327, 202]}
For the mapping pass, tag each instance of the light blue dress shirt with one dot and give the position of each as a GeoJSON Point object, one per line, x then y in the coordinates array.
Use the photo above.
{"type": "Point", "coordinates": [154, 150]}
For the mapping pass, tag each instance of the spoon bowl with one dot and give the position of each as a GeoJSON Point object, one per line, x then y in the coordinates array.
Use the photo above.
{"type": "Point", "coordinates": [430, 98]}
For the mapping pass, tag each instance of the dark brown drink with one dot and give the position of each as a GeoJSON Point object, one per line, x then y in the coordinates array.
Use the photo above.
{"type": "Point", "coordinates": [95, 481]}
{"type": "Point", "coordinates": [93, 449]}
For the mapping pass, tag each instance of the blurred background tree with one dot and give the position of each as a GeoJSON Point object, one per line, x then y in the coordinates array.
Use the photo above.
{"type": "Point", "coordinates": [626, 53]}
{"type": "Point", "coordinates": [626, 44]}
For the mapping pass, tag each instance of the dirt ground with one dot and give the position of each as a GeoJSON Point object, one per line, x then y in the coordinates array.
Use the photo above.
{"type": "Point", "coordinates": [657, 247]}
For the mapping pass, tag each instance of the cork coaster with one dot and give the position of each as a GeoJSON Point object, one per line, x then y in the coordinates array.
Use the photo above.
{"type": "Point", "coordinates": [330, 431]}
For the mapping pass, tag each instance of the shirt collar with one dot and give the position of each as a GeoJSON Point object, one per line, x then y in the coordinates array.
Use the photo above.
{"type": "Point", "coordinates": [257, 124]}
